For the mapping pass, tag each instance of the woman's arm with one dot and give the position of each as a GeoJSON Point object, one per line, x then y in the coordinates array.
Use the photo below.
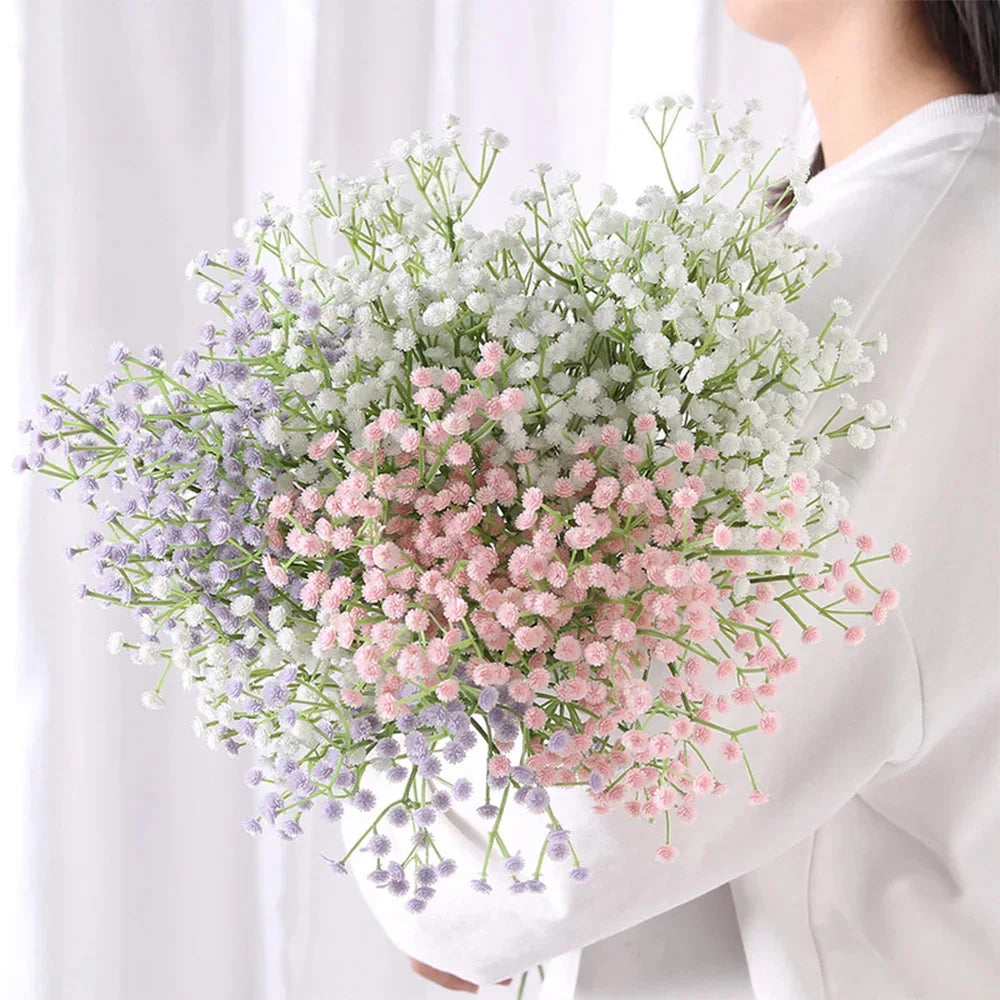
{"type": "Point", "coordinates": [850, 712]}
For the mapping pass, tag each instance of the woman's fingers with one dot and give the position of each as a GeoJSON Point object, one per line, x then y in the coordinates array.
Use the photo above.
{"type": "Point", "coordinates": [446, 979]}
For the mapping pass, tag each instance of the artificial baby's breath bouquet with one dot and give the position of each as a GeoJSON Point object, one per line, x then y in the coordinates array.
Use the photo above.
{"type": "Point", "coordinates": [536, 497]}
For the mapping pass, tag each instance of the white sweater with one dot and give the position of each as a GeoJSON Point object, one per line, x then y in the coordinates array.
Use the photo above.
{"type": "Point", "coordinates": [874, 871]}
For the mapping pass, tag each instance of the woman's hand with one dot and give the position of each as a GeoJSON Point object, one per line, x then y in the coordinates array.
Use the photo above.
{"type": "Point", "coordinates": [446, 979]}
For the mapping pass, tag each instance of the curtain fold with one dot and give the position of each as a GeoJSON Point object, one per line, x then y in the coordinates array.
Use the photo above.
{"type": "Point", "coordinates": [147, 129]}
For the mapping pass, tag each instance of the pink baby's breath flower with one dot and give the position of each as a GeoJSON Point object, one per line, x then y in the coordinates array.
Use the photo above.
{"type": "Point", "coordinates": [768, 722]}
{"type": "Point", "coordinates": [568, 649]}
{"type": "Point", "coordinates": [280, 506]}
{"type": "Point", "coordinates": [492, 351]}
{"type": "Point", "coordinates": [889, 598]}
{"type": "Point", "coordinates": [459, 454]}
{"type": "Point", "coordinates": [685, 497]}
{"type": "Point", "coordinates": [799, 485]}
{"type": "Point", "coordinates": [865, 543]}
{"type": "Point", "coordinates": [535, 718]}
{"type": "Point", "coordinates": [900, 554]}
{"type": "Point", "coordinates": [274, 572]}
{"type": "Point", "coordinates": [666, 853]}
{"type": "Point", "coordinates": [429, 398]}
{"type": "Point", "coordinates": [722, 536]}
{"type": "Point", "coordinates": [854, 635]}
{"type": "Point", "coordinates": [758, 798]}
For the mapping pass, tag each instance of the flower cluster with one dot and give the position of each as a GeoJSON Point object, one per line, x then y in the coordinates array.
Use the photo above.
{"type": "Point", "coordinates": [541, 492]}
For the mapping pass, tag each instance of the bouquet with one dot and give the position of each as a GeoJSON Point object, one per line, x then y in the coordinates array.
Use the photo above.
{"type": "Point", "coordinates": [481, 512]}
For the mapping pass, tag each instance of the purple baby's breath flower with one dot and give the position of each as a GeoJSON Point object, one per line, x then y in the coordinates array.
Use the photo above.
{"type": "Point", "coordinates": [424, 892]}
{"type": "Point", "coordinates": [154, 355]}
{"type": "Point", "coordinates": [288, 717]}
{"type": "Point", "coordinates": [424, 816]}
{"type": "Point", "coordinates": [253, 777]}
{"type": "Point", "coordinates": [481, 885]}
{"type": "Point", "coordinates": [558, 850]}
{"type": "Point", "coordinates": [488, 698]}
{"type": "Point", "coordinates": [407, 723]}
{"type": "Point", "coordinates": [426, 875]}
{"type": "Point", "coordinates": [345, 779]}
{"type": "Point", "coordinates": [380, 845]}
{"type": "Point", "coordinates": [441, 801]}
{"type": "Point", "coordinates": [290, 829]}
{"type": "Point", "coordinates": [364, 800]}
{"type": "Point", "coordinates": [398, 887]}
{"type": "Point", "coordinates": [332, 810]}
{"type": "Point", "coordinates": [252, 826]}
{"type": "Point", "coordinates": [487, 811]}
{"type": "Point", "coordinates": [579, 874]}
{"type": "Point", "coordinates": [246, 301]}
{"type": "Point", "coordinates": [387, 747]}
{"type": "Point", "coordinates": [379, 876]}
{"type": "Point", "coordinates": [20, 464]}
{"type": "Point", "coordinates": [416, 747]}
{"type": "Point", "coordinates": [559, 741]}
{"type": "Point", "coordinates": [536, 799]}
{"type": "Point", "coordinates": [239, 258]}
{"type": "Point", "coordinates": [462, 789]}
{"type": "Point", "coordinates": [274, 694]}
{"type": "Point", "coordinates": [535, 885]}
{"type": "Point", "coordinates": [429, 767]}
{"type": "Point", "coordinates": [498, 782]}
{"type": "Point", "coordinates": [514, 865]}
{"type": "Point", "coordinates": [54, 494]}
{"type": "Point", "coordinates": [117, 353]}
{"type": "Point", "coordinates": [447, 868]}
{"type": "Point", "coordinates": [260, 322]}
{"type": "Point", "coordinates": [270, 805]}
{"type": "Point", "coordinates": [398, 816]}
{"type": "Point", "coordinates": [522, 775]}
{"type": "Point", "coordinates": [338, 866]}
{"type": "Point", "coordinates": [596, 782]}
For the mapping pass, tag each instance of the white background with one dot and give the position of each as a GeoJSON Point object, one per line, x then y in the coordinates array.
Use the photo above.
{"type": "Point", "coordinates": [136, 132]}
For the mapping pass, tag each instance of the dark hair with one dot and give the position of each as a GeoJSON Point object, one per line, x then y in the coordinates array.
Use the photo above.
{"type": "Point", "coordinates": [967, 33]}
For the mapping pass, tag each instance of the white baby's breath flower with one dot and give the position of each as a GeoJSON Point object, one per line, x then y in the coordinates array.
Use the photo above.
{"type": "Point", "coordinates": [241, 606]}
{"type": "Point", "coordinates": [115, 643]}
{"type": "Point", "coordinates": [860, 436]}
{"type": "Point", "coordinates": [152, 700]}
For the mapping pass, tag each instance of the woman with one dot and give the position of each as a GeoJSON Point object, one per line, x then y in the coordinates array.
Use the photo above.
{"type": "Point", "coordinates": [873, 872]}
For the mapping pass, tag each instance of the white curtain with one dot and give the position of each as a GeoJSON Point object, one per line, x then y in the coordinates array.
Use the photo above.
{"type": "Point", "coordinates": [144, 128]}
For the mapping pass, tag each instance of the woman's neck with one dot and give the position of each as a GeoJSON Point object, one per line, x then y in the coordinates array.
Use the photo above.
{"type": "Point", "coordinates": [861, 80]}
